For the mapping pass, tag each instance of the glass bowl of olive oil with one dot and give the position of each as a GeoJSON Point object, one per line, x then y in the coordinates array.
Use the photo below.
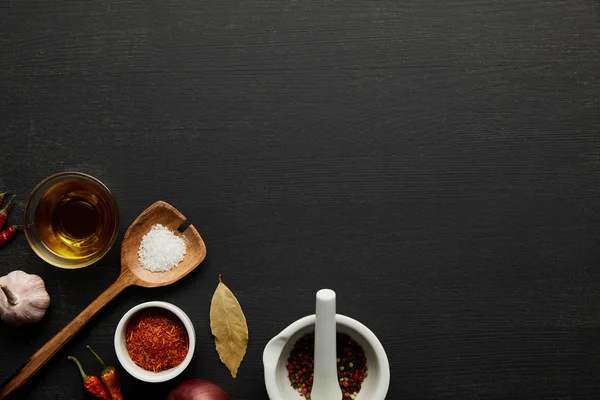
{"type": "Point", "coordinates": [71, 220]}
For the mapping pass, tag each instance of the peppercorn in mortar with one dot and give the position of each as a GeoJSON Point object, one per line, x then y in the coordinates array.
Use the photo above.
{"type": "Point", "coordinates": [351, 362]}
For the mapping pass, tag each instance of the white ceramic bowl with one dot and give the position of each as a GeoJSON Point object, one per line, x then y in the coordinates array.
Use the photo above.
{"type": "Point", "coordinates": [277, 352]}
{"type": "Point", "coordinates": [138, 372]}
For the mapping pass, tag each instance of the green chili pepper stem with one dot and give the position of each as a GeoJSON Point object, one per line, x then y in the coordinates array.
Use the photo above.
{"type": "Point", "coordinates": [83, 374]}
{"type": "Point", "coordinates": [97, 357]}
{"type": "Point", "coordinates": [4, 209]}
{"type": "Point", "coordinates": [105, 368]}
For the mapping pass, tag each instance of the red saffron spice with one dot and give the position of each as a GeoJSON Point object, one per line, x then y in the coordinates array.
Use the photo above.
{"type": "Point", "coordinates": [156, 339]}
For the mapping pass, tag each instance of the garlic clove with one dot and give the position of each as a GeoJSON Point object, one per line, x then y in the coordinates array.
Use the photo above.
{"type": "Point", "coordinates": [23, 298]}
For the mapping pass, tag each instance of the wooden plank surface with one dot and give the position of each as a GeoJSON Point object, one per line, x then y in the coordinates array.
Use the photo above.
{"type": "Point", "coordinates": [437, 163]}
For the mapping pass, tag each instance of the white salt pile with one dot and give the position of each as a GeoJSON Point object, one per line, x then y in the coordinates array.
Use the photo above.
{"type": "Point", "coordinates": [160, 249]}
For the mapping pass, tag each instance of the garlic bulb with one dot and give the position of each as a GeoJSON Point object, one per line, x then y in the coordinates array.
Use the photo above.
{"type": "Point", "coordinates": [23, 298]}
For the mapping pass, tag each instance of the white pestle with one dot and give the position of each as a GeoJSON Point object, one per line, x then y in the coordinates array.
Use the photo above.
{"type": "Point", "coordinates": [325, 381]}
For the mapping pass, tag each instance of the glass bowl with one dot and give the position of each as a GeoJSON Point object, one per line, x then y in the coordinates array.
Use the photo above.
{"type": "Point", "coordinates": [32, 231]}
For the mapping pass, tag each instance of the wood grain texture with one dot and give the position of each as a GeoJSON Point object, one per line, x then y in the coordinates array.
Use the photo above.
{"type": "Point", "coordinates": [436, 163]}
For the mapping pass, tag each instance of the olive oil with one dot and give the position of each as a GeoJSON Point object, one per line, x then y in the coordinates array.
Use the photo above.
{"type": "Point", "coordinates": [75, 219]}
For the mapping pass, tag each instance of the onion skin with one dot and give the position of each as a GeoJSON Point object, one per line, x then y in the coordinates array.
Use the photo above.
{"type": "Point", "coordinates": [197, 389]}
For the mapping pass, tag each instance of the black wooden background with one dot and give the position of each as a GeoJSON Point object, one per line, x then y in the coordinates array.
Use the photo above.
{"type": "Point", "coordinates": [437, 163]}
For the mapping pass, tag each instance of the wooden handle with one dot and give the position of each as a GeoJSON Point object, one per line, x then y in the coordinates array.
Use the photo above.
{"type": "Point", "coordinates": [41, 357]}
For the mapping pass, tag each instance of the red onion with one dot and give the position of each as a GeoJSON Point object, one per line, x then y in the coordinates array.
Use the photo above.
{"type": "Point", "coordinates": [197, 389]}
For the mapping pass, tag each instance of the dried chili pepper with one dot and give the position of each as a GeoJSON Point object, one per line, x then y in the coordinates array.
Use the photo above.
{"type": "Point", "coordinates": [6, 234]}
{"type": "Point", "coordinates": [4, 212]}
{"type": "Point", "coordinates": [92, 384]}
{"type": "Point", "coordinates": [110, 378]}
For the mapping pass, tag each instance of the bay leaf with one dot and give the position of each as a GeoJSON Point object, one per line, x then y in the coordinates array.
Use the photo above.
{"type": "Point", "coordinates": [228, 326]}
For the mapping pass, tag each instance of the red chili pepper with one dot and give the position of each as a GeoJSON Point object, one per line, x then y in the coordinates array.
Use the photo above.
{"type": "Point", "coordinates": [92, 384]}
{"type": "Point", "coordinates": [6, 234]}
{"type": "Point", "coordinates": [110, 378]}
{"type": "Point", "coordinates": [3, 212]}
{"type": "Point", "coordinates": [2, 197]}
